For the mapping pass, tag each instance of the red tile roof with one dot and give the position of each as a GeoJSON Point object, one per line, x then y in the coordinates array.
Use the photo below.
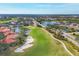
{"type": "Point", "coordinates": [10, 40]}
{"type": "Point", "coordinates": [10, 36]}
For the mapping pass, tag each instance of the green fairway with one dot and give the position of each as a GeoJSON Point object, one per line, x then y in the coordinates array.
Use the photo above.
{"type": "Point", "coordinates": [44, 45]}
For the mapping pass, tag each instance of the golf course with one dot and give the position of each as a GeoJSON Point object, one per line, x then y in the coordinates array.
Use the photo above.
{"type": "Point", "coordinates": [44, 45]}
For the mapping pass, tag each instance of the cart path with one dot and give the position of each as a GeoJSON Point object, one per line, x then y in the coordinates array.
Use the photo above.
{"type": "Point", "coordinates": [64, 46]}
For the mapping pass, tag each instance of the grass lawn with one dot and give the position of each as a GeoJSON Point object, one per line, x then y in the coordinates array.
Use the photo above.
{"type": "Point", "coordinates": [2, 22]}
{"type": "Point", "coordinates": [71, 48]}
{"type": "Point", "coordinates": [44, 45]}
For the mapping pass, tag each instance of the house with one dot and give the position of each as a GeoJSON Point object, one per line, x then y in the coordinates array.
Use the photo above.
{"type": "Point", "coordinates": [74, 25]}
{"type": "Point", "coordinates": [9, 35]}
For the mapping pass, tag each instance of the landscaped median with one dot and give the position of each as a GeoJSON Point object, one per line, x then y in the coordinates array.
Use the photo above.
{"type": "Point", "coordinates": [44, 45]}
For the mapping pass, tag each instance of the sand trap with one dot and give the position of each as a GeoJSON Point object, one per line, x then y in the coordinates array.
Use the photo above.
{"type": "Point", "coordinates": [28, 43]}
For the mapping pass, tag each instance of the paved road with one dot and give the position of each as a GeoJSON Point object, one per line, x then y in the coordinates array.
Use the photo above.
{"type": "Point", "coordinates": [38, 23]}
{"type": "Point", "coordinates": [60, 42]}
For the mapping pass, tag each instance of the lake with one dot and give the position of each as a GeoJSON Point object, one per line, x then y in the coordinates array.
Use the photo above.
{"type": "Point", "coordinates": [46, 23]}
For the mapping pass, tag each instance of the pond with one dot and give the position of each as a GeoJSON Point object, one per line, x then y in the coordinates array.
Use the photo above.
{"type": "Point", "coordinates": [17, 29]}
{"type": "Point", "coordinates": [46, 23]}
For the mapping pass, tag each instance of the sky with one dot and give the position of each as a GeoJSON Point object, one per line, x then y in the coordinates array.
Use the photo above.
{"type": "Point", "coordinates": [39, 8]}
